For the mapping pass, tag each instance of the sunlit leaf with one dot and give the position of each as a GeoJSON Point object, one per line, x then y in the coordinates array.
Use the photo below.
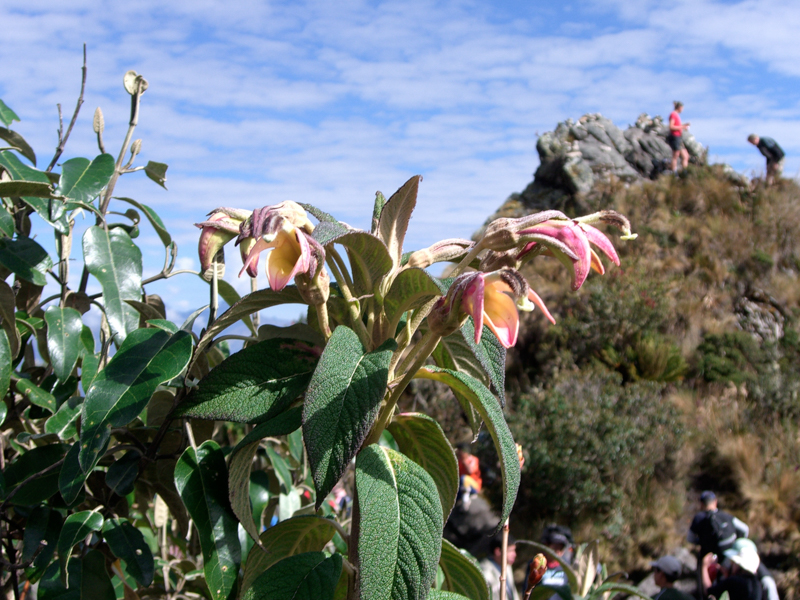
{"type": "Point", "coordinates": [116, 262]}
{"type": "Point", "coordinates": [410, 289]}
{"type": "Point", "coordinates": [395, 217]}
{"type": "Point", "coordinates": [154, 219]}
{"type": "Point", "coordinates": [254, 384]}
{"type": "Point", "coordinates": [486, 404]}
{"type": "Point", "coordinates": [307, 576]}
{"type": "Point", "coordinates": [422, 440]}
{"type": "Point", "coordinates": [147, 358]}
{"type": "Point", "coordinates": [64, 328]}
{"type": "Point", "coordinates": [342, 403]}
{"type": "Point", "coordinates": [157, 172]}
{"type": "Point", "coordinates": [76, 527]}
{"type": "Point", "coordinates": [462, 574]}
{"type": "Point", "coordinates": [7, 116]}
{"type": "Point", "coordinates": [297, 535]}
{"type": "Point", "coordinates": [34, 189]}
{"type": "Point", "coordinates": [400, 525]}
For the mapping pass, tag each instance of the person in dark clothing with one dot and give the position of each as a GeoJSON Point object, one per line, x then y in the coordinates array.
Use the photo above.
{"type": "Point", "coordinates": [772, 152]}
{"type": "Point", "coordinates": [714, 530]}
{"type": "Point", "coordinates": [740, 580]}
{"type": "Point", "coordinates": [666, 571]}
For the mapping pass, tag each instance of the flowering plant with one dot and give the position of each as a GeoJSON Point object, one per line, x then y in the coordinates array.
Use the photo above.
{"type": "Point", "coordinates": [140, 458]}
{"type": "Point", "coordinates": [377, 320]}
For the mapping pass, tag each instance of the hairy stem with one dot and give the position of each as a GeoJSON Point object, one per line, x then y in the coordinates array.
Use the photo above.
{"type": "Point", "coordinates": [472, 254]}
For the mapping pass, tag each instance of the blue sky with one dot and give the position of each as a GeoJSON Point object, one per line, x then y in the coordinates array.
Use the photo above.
{"type": "Point", "coordinates": [252, 103]}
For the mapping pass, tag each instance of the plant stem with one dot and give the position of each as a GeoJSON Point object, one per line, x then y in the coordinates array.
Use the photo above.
{"type": "Point", "coordinates": [426, 345]}
{"type": "Point", "coordinates": [476, 249]}
{"type": "Point", "coordinates": [62, 140]}
{"type": "Point", "coordinates": [322, 317]}
{"type": "Point", "coordinates": [352, 303]}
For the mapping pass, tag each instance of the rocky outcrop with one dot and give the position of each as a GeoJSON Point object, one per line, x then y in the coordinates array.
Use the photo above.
{"type": "Point", "coordinates": [576, 154]}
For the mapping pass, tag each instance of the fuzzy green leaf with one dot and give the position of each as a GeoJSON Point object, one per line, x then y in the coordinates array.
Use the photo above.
{"type": "Point", "coordinates": [395, 217]}
{"type": "Point", "coordinates": [462, 574]}
{"type": "Point", "coordinates": [422, 440]}
{"type": "Point", "coordinates": [255, 384]}
{"type": "Point", "coordinates": [128, 543]}
{"type": "Point", "coordinates": [486, 404]}
{"type": "Point", "coordinates": [7, 225]}
{"type": "Point", "coordinates": [202, 482]}
{"type": "Point", "coordinates": [76, 527]}
{"type": "Point", "coordinates": [246, 306]}
{"type": "Point", "coordinates": [308, 533]}
{"type": "Point", "coordinates": [116, 262]}
{"type": "Point", "coordinates": [401, 515]}
{"type": "Point", "coordinates": [228, 293]}
{"type": "Point", "coordinates": [491, 354]}
{"type": "Point", "coordinates": [16, 140]}
{"type": "Point", "coordinates": [82, 180]}
{"type": "Point", "coordinates": [26, 259]}
{"type": "Point", "coordinates": [454, 354]}
{"type": "Point", "coordinates": [307, 576]}
{"type": "Point", "coordinates": [241, 460]}
{"type": "Point", "coordinates": [147, 358]}
{"type": "Point", "coordinates": [410, 289]}
{"type": "Point", "coordinates": [64, 328]}
{"type": "Point", "coordinates": [442, 595]}
{"type": "Point", "coordinates": [342, 403]}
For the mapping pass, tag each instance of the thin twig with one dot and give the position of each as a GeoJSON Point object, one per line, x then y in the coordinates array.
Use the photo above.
{"type": "Point", "coordinates": [27, 480]}
{"type": "Point", "coordinates": [62, 141]}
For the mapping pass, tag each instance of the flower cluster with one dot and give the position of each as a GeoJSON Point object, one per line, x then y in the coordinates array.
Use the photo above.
{"type": "Point", "coordinates": [492, 294]}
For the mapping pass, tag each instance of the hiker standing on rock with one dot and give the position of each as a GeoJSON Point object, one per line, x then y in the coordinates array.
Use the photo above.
{"type": "Point", "coordinates": [675, 137]}
{"type": "Point", "coordinates": [773, 153]}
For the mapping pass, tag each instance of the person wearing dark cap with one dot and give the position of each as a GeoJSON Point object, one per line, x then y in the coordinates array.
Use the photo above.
{"type": "Point", "coordinates": [490, 566]}
{"type": "Point", "coordinates": [666, 571]}
{"type": "Point", "coordinates": [714, 530]}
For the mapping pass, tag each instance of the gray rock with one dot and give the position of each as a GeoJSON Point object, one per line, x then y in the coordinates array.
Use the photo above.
{"type": "Point", "coordinates": [575, 155]}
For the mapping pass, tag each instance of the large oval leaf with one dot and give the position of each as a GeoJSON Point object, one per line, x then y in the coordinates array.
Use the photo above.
{"type": "Point", "coordinates": [82, 180]}
{"type": "Point", "coordinates": [16, 140]}
{"type": "Point", "coordinates": [116, 262]}
{"type": "Point", "coordinates": [154, 219]}
{"type": "Point", "coordinates": [308, 533]}
{"type": "Point", "coordinates": [64, 328]}
{"type": "Point", "coordinates": [147, 358]}
{"type": "Point", "coordinates": [202, 481]}
{"type": "Point", "coordinates": [486, 404]}
{"type": "Point", "coordinates": [462, 574]}
{"type": "Point", "coordinates": [307, 576]}
{"type": "Point", "coordinates": [241, 460]}
{"type": "Point", "coordinates": [342, 403]}
{"type": "Point", "coordinates": [422, 440]}
{"type": "Point", "coordinates": [8, 314]}
{"type": "Point", "coordinates": [400, 526]}
{"type": "Point", "coordinates": [255, 384]}
{"type": "Point", "coordinates": [26, 259]}
{"type": "Point", "coordinates": [128, 543]}
{"type": "Point", "coordinates": [491, 354]}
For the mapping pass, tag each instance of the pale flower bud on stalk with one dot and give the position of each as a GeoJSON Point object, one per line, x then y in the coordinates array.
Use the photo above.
{"type": "Point", "coordinates": [446, 250]}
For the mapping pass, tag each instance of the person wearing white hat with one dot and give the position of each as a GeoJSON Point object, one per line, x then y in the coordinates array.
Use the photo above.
{"type": "Point", "coordinates": [741, 582]}
{"type": "Point", "coordinates": [768, 585]}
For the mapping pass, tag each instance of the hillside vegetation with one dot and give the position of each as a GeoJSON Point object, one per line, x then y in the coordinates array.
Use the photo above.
{"type": "Point", "coordinates": [675, 373]}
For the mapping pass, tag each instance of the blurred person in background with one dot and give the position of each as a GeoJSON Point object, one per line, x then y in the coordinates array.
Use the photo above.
{"type": "Point", "coordinates": [772, 152]}
{"type": "Point", "coordinates": [736, 575]}
{"type": "Point", "coordinates": [666, 571]}
{"type": "Point", "coordinates": [490, 566]}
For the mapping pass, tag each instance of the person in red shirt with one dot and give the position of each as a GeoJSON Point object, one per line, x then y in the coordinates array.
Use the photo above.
{"type": "Point", "coordinates": [675, 139]}
{"type": "Point", "coordinates": [469, 466]}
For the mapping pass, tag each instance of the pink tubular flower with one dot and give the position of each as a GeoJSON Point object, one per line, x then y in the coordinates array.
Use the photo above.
{"type": "Point", "coordinates": [220, 228]}
{"type": "Point", "coordinates": [284, 229]}
{"type": "Point", "coordinates": [491, 299]}
{"type": "Point", "coordinates": [569, 241]}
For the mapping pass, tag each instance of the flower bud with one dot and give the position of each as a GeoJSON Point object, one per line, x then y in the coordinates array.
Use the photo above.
{"type": "Point", "coordinates": [316, 290]}
{"type": "Point", "coordinates": [503, 234]}
{"type": "Point", "coordinates": [445, 250]}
